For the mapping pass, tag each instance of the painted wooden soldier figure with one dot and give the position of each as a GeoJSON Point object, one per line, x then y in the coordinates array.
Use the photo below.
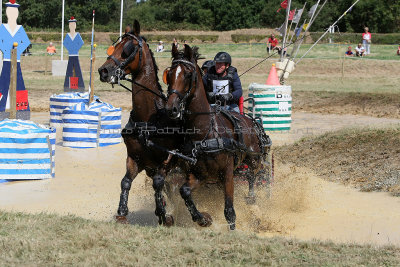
{"type": "Point", "coordinates": [12, 33]}
{"type": "Point", "coordinates": [73, 77]}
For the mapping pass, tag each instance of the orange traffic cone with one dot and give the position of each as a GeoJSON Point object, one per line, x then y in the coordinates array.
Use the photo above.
{"type": "Point", "coordinates": [273, 77]}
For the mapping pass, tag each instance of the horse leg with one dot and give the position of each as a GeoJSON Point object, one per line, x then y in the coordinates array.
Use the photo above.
{"type": "Point", "coordinates": [132, 171]}
{"type": "Point", "coordinates": [229, 211]}
{"type": "Point", "coordinates": [202, 219]}
{"type": "Point", "coordinates": [158, 185]}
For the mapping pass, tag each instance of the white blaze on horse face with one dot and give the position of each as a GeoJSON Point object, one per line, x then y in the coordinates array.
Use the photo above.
{"type": "Point", "coordinates": [178, 70]}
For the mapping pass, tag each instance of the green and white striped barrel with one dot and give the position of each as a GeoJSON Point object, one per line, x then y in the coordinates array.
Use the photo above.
{"type": "Point", "coordinates": [273, 103]}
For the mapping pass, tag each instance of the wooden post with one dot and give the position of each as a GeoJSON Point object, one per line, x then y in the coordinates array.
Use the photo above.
{"type": "Point", "coordinates": [13, 83]}
{"type": "Point", "coordinates": [92, 80]}
{"type": "Point", "coordinates": [47, 63]}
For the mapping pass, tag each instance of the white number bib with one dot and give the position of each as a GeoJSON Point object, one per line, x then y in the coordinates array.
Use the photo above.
{"type": "Point", "coordinates": [221, 87]}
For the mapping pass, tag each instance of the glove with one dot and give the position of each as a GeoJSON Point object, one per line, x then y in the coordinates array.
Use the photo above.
{"type": "Point", "coordinates": [225, 97]}
{"type": "Point", "coordinates": [211, 97]}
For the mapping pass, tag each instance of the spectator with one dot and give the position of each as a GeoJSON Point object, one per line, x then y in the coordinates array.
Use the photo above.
{"type": "Point", "coordinates": [51, 49]}
{"type": "Point", "coordinates": [360, 50]}
{"type": "Point", "coordinates": [176, 43]}
{"type": "Point", "coordinates": [398, 50]}
{"type": "Point", "coordinates": [349, 52]}
{"type": "Point", "coordinates": [272, 44]}
{"type": "Point", "coordinates": [160, 47]}
{"type": "Point", "coordinates": [222, 83]}
{"type": "Point", "coordinates": [366, 36]}
{"type": "Point", "coordinates": [207, 65]}
{"type": "Point", "coordinates": [128, 28]}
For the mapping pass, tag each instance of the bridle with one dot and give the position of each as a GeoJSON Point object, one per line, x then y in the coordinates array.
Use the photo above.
{"type": "Point", "coordinates": [120, 71]}
{"type": "Point", "coordinates": [183, 98]}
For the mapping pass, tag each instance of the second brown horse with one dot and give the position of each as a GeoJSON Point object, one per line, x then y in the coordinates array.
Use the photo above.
{"type": "Point", "coordinates": [222, 142]}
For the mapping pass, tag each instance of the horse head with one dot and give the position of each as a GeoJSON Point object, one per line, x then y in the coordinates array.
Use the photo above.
{"type": "Point", "coordinates": [124, 56]}
{"type": "Point", "coordinates": [182, 79]}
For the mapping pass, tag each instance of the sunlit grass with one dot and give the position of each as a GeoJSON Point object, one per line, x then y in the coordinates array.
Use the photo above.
{"type": "Point", "coordinates": [50, 240]}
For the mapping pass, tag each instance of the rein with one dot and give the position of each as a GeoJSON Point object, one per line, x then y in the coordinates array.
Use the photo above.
{"type": "Point", "coordinates": [160, 95]}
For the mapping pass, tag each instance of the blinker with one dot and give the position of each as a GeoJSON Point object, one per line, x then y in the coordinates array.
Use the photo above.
{"type": "Point", "coordinates": [110, 50]}
{"type": "Point", "coordinates": [165, 75]}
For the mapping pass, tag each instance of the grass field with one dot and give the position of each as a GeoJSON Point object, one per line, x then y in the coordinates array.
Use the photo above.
{"type": "Point", "coordinates": [44, 240]}
{"type": "Point", "coordinates": [323, 62]}
{"type": "Point", "coordinates": [323, 77]}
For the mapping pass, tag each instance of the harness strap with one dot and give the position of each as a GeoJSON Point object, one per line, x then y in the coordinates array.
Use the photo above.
{"type": "Point", "coordinates": [237, 127]}
{"type": "Point", "coordinates": [218, 144]}
{"type": "Point", "coordinates": [173, 91]}
{"type": "Point", "coordinates": [214, 145]}
{"type": "Point", "coordinates": [115, 60]}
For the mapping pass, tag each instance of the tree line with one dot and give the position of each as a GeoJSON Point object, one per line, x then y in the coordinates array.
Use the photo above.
{"type": "Point", "coordinates": [218, 15]}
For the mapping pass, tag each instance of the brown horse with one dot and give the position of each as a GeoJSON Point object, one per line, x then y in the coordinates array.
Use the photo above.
{"type": "Point", "coordinates": [146, 141]}
{"type": "Point", "coordinates": [224, 140]}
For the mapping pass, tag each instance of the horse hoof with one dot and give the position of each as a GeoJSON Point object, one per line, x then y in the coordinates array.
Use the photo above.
{"type": "Point", "coordinates": [232, 227]}
{"type": "Point", "coordinates": [169, 220]}
{"type": "Point", "coordinates": [121, 219]}
{"type": "Point", "coordinates": [250, 200]}
{"type": "Point", "coordinates": [206, 221]}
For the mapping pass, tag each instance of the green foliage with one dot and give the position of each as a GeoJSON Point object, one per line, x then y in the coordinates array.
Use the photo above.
{"type": "Point", "coordinates": [240, 38]}
{"type": "Point", "coordinates": [379, 16]}
{"type": "Point", "coordinates": [47, 14]}
{"type": "Point", "coordinates": [181, 38]}
{"type": "Point", "coordinates": [54, 36]}
{"type": "Point", "coordinates": [169, 38]}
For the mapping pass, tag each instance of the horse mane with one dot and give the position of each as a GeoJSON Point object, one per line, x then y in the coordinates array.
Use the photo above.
{"type": "Point", "coordinates": [196, 54]}
{"type": "Point", "coordinates": [153, 60]}
{"type": "Point", "coordinates": [181, 54]}
{"type": "Point", "coordinates": [155, 69]}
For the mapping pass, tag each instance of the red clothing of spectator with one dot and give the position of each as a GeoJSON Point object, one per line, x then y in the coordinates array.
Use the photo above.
{"type": "Point", "coordinates": [366, 36]}
{"type": "Point", "coordinates": [273, 42]}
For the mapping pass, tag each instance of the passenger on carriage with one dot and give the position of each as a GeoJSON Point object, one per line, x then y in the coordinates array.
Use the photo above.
{"type": "Point", "coordinates": [222, 83]}
{"type": "Point", "coordinates": [128, 28]}
{"type": "Point", "coordinates": [207, 65]}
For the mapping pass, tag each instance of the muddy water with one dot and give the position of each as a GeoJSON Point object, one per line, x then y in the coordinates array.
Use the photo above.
{"type": "Point", "coordinates": [302, 205]}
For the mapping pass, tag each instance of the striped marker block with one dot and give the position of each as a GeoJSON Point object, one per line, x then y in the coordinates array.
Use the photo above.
{"type": "Point", "coordinates": [273, 103]}
{"type": "Point", "coordinates": [27, 150]}
{"type": "Point", "coordinates": [62, 101]}
{"type": "Point", "coordinates": [96, 125]}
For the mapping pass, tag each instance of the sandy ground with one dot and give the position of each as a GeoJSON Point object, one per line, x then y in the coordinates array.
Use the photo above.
{"type": "Point", "coordinates": [302, 205]}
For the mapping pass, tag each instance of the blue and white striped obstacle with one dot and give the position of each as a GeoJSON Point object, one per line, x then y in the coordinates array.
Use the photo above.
{"type": "Point", "coordinates": [62, 101]}
{"type": "Point", "coordinates": [273, 103]}
{"type": "Point", "coordinates": [27, 150]}
{"type": "Point", "coordinates": [96, 125]}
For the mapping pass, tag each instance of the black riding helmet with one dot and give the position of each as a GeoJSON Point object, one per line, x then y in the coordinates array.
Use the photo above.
{"type": "Point", "coordinates": [208, 64]}
{"type": "Point", "coordinates": [223, 57]}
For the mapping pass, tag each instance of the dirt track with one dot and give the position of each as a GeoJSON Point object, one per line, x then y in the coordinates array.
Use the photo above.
{"type": "Point", "coordinates": [303, 205]}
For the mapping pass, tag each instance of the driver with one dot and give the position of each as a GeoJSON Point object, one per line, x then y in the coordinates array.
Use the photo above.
{"type": "Point", "coordinates": [222, 83]}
